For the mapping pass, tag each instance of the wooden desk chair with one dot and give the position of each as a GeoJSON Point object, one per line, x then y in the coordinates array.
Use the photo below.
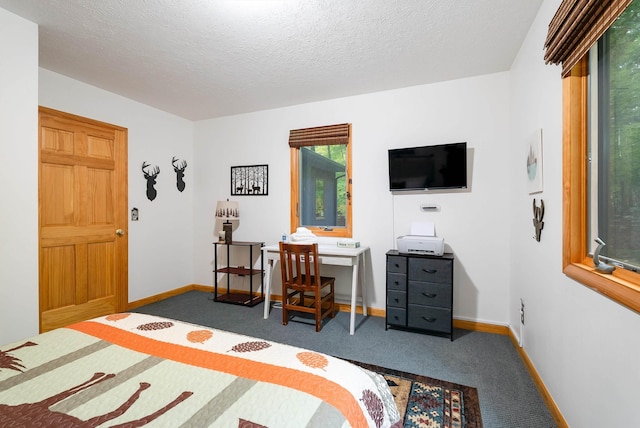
{"type": "Point", "coordinates": [303, 289]}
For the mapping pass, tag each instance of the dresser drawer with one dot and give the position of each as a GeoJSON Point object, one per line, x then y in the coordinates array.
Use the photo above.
{"type": "Point", "coordinates": [430, 270]}
{"type": "Point", "coordinates": [429, 318]}
{"type": "Point", "coordinates": [396, 264]}
{"type": "Point", "coordinates": [397, 316]}
{"type": "Point", "coordinates": [397, 281]}
{"type": "Point", "coordinates": [397, 299]}
{"type": "Point", "coordinates": [430, 294]}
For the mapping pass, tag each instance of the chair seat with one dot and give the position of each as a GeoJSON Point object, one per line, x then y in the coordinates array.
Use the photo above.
{"type": "Point", "coordinates": [303, 288]}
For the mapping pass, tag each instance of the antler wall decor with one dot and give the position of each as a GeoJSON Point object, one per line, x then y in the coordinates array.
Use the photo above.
{"type": "Point", "coordinates": [150, 176]}
{"type": "Point", "coordinates": [179, 169]}
{"type": "Point", "coordinates": [538, 215]}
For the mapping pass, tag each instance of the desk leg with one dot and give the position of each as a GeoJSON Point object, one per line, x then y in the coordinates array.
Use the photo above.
{"type": "Point", "coordinates": [354, 294]}
{"type": "Point", "coordinates": [267, 292]}
{"type": "Point", "coordinates": [363, 286]}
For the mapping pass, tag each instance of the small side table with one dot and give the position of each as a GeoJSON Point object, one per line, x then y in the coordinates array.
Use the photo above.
{"type": "Point", "coordinates": [239, 298]}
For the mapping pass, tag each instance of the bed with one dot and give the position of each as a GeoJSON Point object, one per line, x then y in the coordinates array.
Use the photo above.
{"type": "Point", "coordinates": [133, 369]}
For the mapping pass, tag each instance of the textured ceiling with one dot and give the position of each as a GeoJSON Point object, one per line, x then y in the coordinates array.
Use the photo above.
{"type": "Point", "coordinates": [202, 59]}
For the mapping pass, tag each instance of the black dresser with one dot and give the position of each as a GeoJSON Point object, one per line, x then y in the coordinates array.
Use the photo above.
{"type": "Point", "coordinates": [420, 293]}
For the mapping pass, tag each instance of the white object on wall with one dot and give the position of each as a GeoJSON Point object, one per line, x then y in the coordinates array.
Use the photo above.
{"type": "Point", "coordinates": [429, 207]}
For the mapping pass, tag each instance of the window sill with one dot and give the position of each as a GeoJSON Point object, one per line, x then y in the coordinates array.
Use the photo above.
{"type": "Point", "coordinates": [621, 286]}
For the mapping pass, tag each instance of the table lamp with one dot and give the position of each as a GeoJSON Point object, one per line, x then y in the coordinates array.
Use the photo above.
{"type": "Point", "coordinates": [227, 211]}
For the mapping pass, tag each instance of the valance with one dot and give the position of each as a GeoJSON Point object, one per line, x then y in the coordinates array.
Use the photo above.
{"type": "Point", "coordinates": [320, 136]}
{"type": "Point", "coordinates": [576, 27]}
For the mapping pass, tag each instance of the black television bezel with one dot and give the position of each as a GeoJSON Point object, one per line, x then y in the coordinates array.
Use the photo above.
{"type": "Point", "coordinates": [431, 147]}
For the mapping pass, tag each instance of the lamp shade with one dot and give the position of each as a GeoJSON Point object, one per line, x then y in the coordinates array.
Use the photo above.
{"type": "Point", "coordinates": [228, 210]}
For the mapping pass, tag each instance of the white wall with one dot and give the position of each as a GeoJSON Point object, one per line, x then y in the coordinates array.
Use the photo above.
{"type": "Point", "coordinates": [19, 177]}
{"type": "Point", "coordinates": [584, 346]}
{"type": "Point", "coordinates": [161, 242]}
{"type": "Point", "coordinates": [472, 222]}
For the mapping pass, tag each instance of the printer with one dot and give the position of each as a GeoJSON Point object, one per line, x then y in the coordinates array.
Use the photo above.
{"type": "Point", "coordinates": [415, 244]}
{"type": "Point", "coordinates": [422, 240]}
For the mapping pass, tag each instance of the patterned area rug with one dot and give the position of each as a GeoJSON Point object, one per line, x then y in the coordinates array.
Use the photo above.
{"type": "Point", "coordinates": [427, 402]}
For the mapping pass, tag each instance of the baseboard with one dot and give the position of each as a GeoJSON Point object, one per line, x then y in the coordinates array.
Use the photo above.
{"type": "Point", "coordinates": [537, 380]}
{"type": "Point", "coordinates": [482, 327]}
{"type": "Point", "coordinates": [162, 296]}
{"type": "Point", "coordinates": [457, 323]}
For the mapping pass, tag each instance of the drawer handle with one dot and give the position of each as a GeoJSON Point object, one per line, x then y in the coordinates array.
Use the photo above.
{"type": "Point", "coordinates": [397, 282]}
{"type": "Point", "coordinates": [429, 270]}
{"type": "Point", "coordinates": [396, 300]}
{"type": "Point", "coordinates": [397, 265]}
{"type": "Point", "coordinates": [429, 295]}
{"type": "Point", "coordinates": [429, 319]}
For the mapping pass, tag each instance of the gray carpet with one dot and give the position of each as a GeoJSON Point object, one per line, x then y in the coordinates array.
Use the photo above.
{"type": "Point", "coordinates": [488, 362]}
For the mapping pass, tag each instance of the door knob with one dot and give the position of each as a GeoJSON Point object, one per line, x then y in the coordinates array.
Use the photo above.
{"type": "Point", "coordinates": [120, 232]}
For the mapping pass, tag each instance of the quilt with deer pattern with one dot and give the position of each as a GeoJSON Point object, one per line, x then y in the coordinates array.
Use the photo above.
{"type": "Point", "coordinates": [134, 369]}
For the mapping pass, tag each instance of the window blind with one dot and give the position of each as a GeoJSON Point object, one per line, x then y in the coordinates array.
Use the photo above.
{"type": "Point", "coordinates": [320, 136]}
{"type": "Point", "coordinates": [576, 27]}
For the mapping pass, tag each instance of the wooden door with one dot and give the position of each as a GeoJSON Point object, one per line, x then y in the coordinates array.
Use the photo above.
{"type": "Point", "coordinates": [82, 218]}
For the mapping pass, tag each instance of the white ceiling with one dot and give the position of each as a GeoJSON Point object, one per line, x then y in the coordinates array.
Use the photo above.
{"type": "Point", "coordinates": [202, 59]}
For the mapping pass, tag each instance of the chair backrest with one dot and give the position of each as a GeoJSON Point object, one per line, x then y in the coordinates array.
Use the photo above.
{"type": "Point", "coordinates": [298, 264]}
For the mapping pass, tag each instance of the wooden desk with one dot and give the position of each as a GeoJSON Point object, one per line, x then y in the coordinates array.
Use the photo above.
{"type": "Point", "coordinates": [328, 255]}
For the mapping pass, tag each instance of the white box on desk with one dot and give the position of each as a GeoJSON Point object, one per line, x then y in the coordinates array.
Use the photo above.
{"type": "Point", "coordinates": [348, 244]}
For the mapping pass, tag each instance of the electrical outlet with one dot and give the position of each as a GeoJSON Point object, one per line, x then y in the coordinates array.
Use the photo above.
{"type": "Point", "coordinates": [521, 311]}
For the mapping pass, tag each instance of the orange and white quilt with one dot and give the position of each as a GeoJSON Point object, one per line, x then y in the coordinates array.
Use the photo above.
{"type": "Point", "coordinates": [135, 370]}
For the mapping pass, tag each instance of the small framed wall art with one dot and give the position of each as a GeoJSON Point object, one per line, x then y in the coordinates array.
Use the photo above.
{"type": "Point", "coordinates": [534, 163]}
{"type": "Point", "coordinates": [251, 180]}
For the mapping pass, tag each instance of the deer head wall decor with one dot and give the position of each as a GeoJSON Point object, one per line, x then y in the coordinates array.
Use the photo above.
{"type": "Point", "coordinates": [179, 169]}
{"type": "Point", "coordinates": [538, 215]}
{"type": "Point", "coordinates": [150, 176]}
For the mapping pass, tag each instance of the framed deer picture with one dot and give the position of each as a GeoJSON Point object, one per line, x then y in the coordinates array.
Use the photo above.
{"type": "Point", "coordinates": [251, 180]}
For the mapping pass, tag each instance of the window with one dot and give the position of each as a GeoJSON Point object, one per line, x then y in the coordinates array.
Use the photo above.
{"type": "Point", "coordinates": [601, 161]}
{"type": "Point", "coordinates": [320, 180]}
{"type": "Point", "coordinates": [614, 142]}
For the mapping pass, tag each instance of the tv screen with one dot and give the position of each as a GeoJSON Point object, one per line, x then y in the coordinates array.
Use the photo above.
{"type": "Point", "coordinates": [441, 166]}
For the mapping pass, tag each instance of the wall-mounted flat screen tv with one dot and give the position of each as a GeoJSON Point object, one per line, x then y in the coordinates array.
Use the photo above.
{"type": "Point", "coordinates": [441, 166]}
